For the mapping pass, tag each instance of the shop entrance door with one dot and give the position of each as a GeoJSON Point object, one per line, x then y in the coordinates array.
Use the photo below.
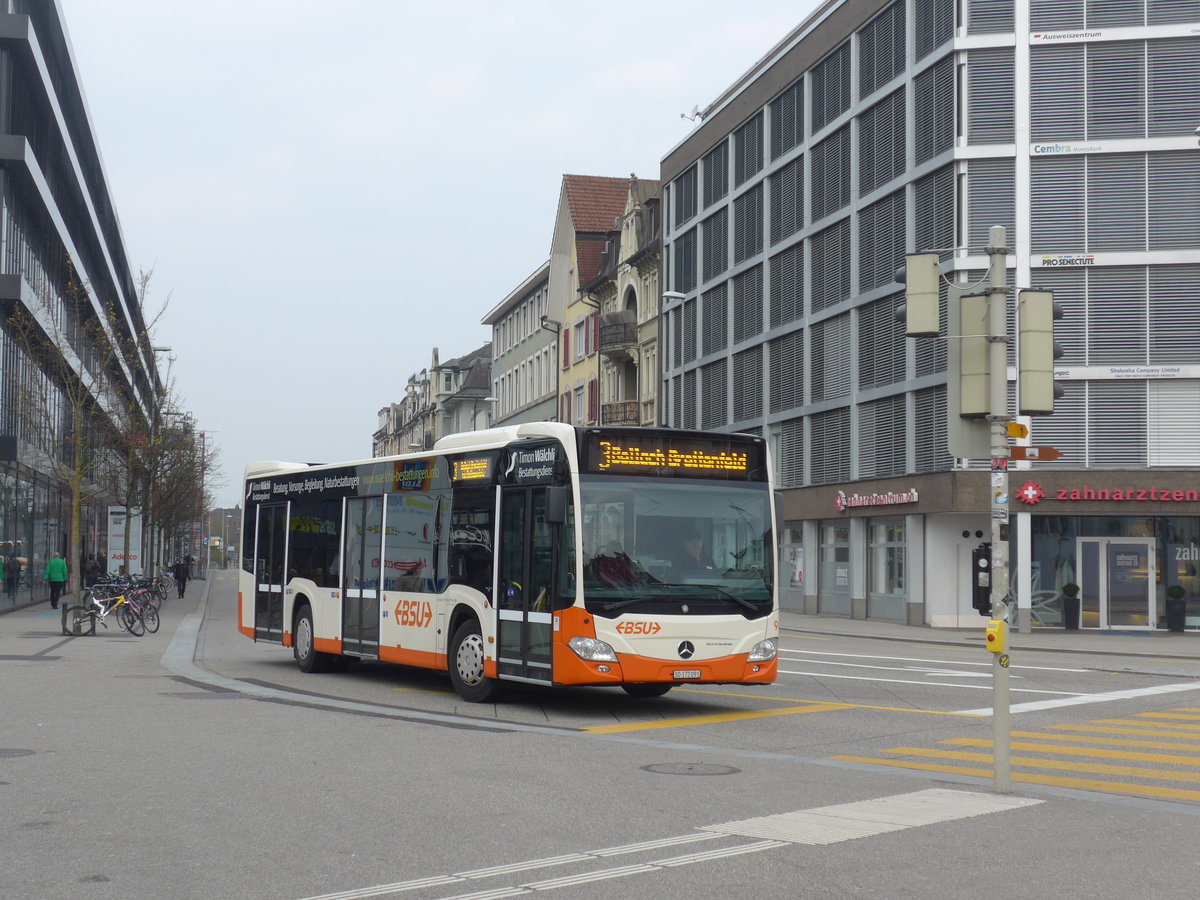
{"type": "Point", "coordinates": [1116, 582]}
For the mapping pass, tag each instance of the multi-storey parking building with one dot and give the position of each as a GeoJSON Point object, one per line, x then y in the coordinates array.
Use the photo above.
{"type": "Point", "coordinates": [880, 127]}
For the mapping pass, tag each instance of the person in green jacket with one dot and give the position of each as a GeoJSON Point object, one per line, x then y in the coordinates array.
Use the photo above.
{"type": "Point", "coordinates": [56, 575]}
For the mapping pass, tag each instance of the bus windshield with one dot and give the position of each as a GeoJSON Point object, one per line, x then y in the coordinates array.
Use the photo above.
{"type": "Point", "coordinates": [677, 547]}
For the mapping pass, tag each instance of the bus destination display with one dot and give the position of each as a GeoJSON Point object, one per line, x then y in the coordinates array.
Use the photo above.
{"type": "Point", "coordinates": [670, 455]}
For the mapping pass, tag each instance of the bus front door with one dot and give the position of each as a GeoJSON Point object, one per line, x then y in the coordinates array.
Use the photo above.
{"type": "Point", "coordinates": [270, 566]}
{"type": "Point", "coordinates": [360, 588]}
{"type": "Point", "coordinates": [525, 553]}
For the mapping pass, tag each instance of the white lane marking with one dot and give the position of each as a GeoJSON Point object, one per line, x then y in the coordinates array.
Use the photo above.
{"type": "Point", "coordinates": [822, 825]}
{"type": "Point", "coordinates": [1083, 699]}
{"type": "Point", "coordinates": [867, 818]}
{"type": "Point", "coordinates": [950, 672]}
{"type": "Point", "coordinates": [971, 687]}
{"type": "Point", "coordinates": [917, 659]}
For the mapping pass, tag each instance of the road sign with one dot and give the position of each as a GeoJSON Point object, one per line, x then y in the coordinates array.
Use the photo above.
{"type": "Point", "coordinates": [1034, 454]}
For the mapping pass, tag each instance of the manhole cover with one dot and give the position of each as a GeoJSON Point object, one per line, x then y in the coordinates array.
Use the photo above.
{"type": "Point", "coordinates": [690, 769]}
{"type": "Point", "coordinates": [9, 754]}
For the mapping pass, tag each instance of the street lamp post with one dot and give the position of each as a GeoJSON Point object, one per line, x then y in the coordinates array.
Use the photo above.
{"type": "Point", "coordinates": [475, 407]}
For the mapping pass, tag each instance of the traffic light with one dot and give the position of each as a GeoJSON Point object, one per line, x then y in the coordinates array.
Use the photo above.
{"type": "Point", "coordinates": [921, 275]}
{"type": "Point", "coordinates": [975, 396]}
{"type": "Point", "coordinates": [968, 433]}
{"type": "Point", "coordinates": [981, 579]}
{"type": "Point", "coordinates": [1036, 352]}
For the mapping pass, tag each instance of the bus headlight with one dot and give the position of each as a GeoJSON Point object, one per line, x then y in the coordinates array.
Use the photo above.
{"type": "Point", "coordinates": [592, 650]}
{"type": "Point", "coordinates": [763, 651]}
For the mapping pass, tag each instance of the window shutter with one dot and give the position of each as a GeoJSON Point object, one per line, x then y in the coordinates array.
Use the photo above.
{"type": "Point", "coordinates": [1116, 202]}
{"type": "Point", "coordinates": [715, 230]}
{"type": "Point", "coordinates": [929, 431]}
{"type": "Point", "coordinates": [748, 150]}
{"type": "Point", "coordinates": [881, 241]}
{"type": "Point", "coordinates": [881, 345]}
{"type": "Point", "coordinates": [747, 304]}
{"type": "Point", "coordinates": [565, 337]}
{"type": "Point", "coordinates": [991, 198]}
{"type": "Point", "coordinates": [593, 399]}
{"type": "Point", "coordinates": [787, 200]}
{"type": "Point", "coordinates": [715, 313]}
{"type": "Point", "coordinates": [791, 453]}
{"type": "Point", "coordinates": [748, 378]}
{"type": "Point", "coordinates": [881, 49]}
{"type": "Point", "coordinates": [830, 87]}
{"type": "Point", "coordinates": [1174, 325]}
{"type": "Point", "coordinates": [1058, 201]}
{"type": "Point", "coordinates": [881, 143]}
{"type": "Point", "coordinates": [1058, 93]}
{"type": "Point", "coordinates": [830, 371]}
{"type": "Point", "coordinates": [830, 266]}
{"type": "Point", "coordinates": [689, 330]}
{"type": "Point", "coordinates": [934, 102]}
{"type": "Point", "coordinates": [1174, 198]}
{"type": "Point", "coordinates": [716, 173]}
{"type": "Point", "coordinates": [787, 119]}
{"type": "Point", "coordinates": [748, 224]}
{"type": "Point", "coordinates": [990, 16]}
{"type": "Point", "coordinates": [991, 82]}
{"type": "Point", "coordinates": [787, 285]}
{"type": "Point", "coordinates": [787, 371]}
{"type": "Point", "coordinates": [1116, 86]}
{"type": "Point", "coordinates": [830, 182]}
{"type": "Point", "coordinates": [715, 395]}
{"type": "Point", "coordinates": [934, 25]}
{"type": "Point", "coordinates": [1173, 411]}
{"type": "Point", "coordinates": [882, 437]}
{"type": "Point", "coordinates": [829, 437]}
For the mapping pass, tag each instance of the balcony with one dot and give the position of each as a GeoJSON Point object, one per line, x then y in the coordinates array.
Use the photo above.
{"type": "Point", "coordinates": [622, 412]}
{"type": "Point", "coordinates": [618, 333]}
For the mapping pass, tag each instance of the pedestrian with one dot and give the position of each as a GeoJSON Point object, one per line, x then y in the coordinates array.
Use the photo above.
{"type": "Point", "coordinates": [12, 575]}
{"type": "Point", "coordinates": [56, 576]}
{"type": "Point", "coordinates": [91, 570]}
{"type": "Point", "coordinates": [181, 575]}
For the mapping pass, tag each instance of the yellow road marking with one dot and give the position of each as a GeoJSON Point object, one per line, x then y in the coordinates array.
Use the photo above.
{"type": "Point", "coordinates": [1143, 723]}
{"type": "Point", "coordinates": [1086, 784]}
{"type": "Point", "coordinates": [1168, 715]}
{"type": "Point", "coordinates": [1055, 764]}
{"type": "Point", "coordinates": [1110, 741]}
{"type": "Point", "coordinates": [710, 720]}
{"type": "Point", "coordinates": [907, 709]}
{"type": "Point", "coordinates": [1083, 751]}
{"type": "Point", "coordinates": [1151, 732]}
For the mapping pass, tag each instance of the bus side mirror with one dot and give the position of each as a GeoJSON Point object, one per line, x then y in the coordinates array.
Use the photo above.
{"type": "Point", "coordinates": [556, 505]}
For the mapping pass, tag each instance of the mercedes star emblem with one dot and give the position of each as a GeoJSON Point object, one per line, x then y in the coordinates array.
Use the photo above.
{"type": "Point", "coordinates": [686, 649]}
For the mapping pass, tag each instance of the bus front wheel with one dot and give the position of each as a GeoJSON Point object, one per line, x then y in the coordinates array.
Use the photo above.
{"type": "Point", "coordinates": [466, 665]}
{"type": "Point", "coordinates": [308, 658]}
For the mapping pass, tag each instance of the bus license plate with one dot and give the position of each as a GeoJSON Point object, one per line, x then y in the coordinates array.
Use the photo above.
{"type": "Point", "coordinates": [687, 673]}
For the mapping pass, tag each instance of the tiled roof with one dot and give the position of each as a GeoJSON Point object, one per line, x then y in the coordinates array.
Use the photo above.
{"type": "Point", "coordinates": [595, 202]}
{"type": "Point", "coordinates": [588, 257]}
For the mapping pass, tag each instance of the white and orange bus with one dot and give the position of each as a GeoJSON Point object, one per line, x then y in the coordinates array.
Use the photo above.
{"type": "Point", "coordinates": [539, 553]}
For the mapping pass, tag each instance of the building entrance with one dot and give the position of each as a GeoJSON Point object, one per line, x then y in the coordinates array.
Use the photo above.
{"type": "Point", "coordinates": [1116, 582]}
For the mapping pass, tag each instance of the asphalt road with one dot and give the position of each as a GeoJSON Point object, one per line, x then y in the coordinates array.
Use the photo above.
{"type": "Point", "coordinates": [194, 763]}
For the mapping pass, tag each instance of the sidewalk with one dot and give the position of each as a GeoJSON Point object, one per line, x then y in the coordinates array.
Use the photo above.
{"type": "Point", "coordinates": [1159, 644]}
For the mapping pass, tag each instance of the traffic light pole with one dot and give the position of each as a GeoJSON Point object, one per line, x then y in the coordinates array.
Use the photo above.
{"type": "Point", "coordinates": [998, 418]}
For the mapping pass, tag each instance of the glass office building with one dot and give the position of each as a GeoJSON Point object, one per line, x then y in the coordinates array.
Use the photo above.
{"type": "Point", "coordinates": [877, 129]}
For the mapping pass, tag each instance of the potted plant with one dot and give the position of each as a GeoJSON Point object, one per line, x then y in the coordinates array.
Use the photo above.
{"type": "Point", "coordinates": [1176, 607]}
{"type": "Point", "coordinates": [1070, 606]}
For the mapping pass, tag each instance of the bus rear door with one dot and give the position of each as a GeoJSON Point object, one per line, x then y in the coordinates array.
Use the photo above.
{"type": "Point", "coordinates": [269, 567]}
{"type": "Point", "coordinates": [360, 587]}
{"type": "Point", "coordinates": [525, 553]}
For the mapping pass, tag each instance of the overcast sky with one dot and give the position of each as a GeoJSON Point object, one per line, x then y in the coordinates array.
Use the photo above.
{"type": "Point", "coordinates": [326, 191]}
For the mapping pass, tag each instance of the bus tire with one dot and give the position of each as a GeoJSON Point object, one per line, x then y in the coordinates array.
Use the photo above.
{"type": "Point", "coordinates": [466, 665]}
{"type": "Point", "coordinates": [646, 690]}
{"type": "Point", "coordinates": [308, 658]}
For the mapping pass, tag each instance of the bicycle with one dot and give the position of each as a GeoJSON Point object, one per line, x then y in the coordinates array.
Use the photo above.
{"type": "Point", "coordinates": [80, 620]}
{"type": "Point", "coordinates": [143, 603]}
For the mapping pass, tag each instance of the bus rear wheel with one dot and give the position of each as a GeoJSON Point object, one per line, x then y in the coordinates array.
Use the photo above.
{"type": "Point", "coordinates": [646, 690]}
{"type": "Point", "coordinates": [466, 665]}
{"type": "Point", "coordinates": [308, 658]}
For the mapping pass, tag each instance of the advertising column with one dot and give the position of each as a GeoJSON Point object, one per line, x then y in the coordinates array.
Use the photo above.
{"type": "Point", "coordinates": [118, 522]}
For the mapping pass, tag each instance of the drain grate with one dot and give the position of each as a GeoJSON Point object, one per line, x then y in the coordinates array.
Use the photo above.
{"type": "Point", "coordinates": [690, 769]}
